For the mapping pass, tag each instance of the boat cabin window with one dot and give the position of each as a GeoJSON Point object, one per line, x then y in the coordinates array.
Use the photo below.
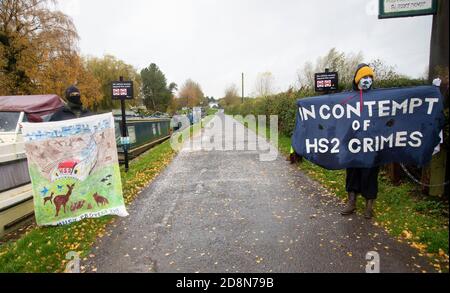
{"type": "Point", "coordinates": [8, 121]}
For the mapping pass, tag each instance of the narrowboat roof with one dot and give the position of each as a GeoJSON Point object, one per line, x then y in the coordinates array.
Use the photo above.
{"type": "Point", "coordinates": [31, 104]}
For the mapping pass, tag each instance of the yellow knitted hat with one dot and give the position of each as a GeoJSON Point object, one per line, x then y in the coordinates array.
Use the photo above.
{"type": "Point", "coordinates": [364, 71]}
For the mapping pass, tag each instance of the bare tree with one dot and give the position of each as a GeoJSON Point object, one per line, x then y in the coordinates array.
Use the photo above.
{"type": "Point", "coordinates": [264, 84]}
{"type": "Point", "coordinates": [344, 64]}
{"type": "Point", "coordinates": [383, 71]}
{"type": "Point", "coordinates": [231, 96]}
{"type": "Point", "coordinates": [305, 76]}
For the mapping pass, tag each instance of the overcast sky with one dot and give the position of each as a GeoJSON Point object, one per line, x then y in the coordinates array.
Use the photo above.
{"type": "Point", "coordinates": [214, 41]}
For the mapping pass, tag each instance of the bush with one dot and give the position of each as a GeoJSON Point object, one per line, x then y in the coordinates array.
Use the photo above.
{"type": "Point", "coordinates": [284, 104]}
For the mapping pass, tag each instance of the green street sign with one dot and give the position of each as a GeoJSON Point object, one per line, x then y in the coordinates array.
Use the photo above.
{"type": "Point", "coordinates": [406, 8]}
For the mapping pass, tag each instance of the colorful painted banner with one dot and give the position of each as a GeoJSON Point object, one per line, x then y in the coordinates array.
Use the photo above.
{"type": "Point", "coordinates": [74, 169]}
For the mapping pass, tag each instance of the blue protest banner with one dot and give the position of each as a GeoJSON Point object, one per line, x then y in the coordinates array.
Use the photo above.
{"type": "Point", "coordinates": [368, 129]}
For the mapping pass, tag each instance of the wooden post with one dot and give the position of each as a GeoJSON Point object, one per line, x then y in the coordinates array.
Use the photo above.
{"type": "Point", "coordinates": [439, 62]}
{"type": "Point", "coordinates": [394, 172]}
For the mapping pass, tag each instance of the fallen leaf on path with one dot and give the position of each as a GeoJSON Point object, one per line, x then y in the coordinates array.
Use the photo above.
{"type": "Point", "coordinates": [407, 234]}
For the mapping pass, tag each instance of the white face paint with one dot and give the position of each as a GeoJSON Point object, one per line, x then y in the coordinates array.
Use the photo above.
{"type": "Point", "coordinates": [365, 83]}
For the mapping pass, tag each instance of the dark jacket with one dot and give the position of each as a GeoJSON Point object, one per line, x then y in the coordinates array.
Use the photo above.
{"type": "Point", "coordinates": [65, 113]}
{"type": "Point", "coordinates": [362, 181]}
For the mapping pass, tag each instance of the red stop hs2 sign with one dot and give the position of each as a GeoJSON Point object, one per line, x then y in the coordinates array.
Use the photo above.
{"type": "Point", "coordinates": [327, 81]}
{"type": "Point", "coordinates": [324, 83]}
{"type": "Point", "coordinates": [122, 90]}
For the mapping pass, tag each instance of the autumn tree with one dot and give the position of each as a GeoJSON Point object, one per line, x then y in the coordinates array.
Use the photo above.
{"type": "Point", "coordinates": [33, 39]}
{"type": "Point", "coordinates": [174, 105]}
{"type": "Point", "coordinates": [108, 69]}
{"type": "Point", "coordinates": [72, 70]}
{"type": "Point", "coordinates": [231, 97]}
{"type": "Point", "coordinates": [191, 94]}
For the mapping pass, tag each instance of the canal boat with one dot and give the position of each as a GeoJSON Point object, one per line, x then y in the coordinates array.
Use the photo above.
{"type": "Point", "coordinates": [16, 197]}
{"type": "Point", "coordinates": [144, 133]}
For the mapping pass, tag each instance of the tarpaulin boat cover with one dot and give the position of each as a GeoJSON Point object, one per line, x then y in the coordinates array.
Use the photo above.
{"type": "Point", "coordinates": [39, 104]}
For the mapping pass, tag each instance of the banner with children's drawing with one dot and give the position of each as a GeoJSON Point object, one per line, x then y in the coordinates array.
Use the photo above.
{"type": "Point", "coordinates": [74, 169]}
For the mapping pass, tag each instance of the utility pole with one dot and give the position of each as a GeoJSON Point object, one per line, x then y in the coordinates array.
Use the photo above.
{"type": "Point", "coordinates": [242, 88]}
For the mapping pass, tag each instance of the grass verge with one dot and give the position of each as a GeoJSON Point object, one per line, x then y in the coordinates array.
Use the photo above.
{"type": "Point", "coordinates": [44, 249]}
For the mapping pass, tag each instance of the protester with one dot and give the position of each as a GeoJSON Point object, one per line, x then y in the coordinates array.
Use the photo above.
{"type": "Point", "coordinates": [294, 158]}
{"type": "Point", "coordinates": [74, 108]}
{"type": "Point", "coordinates": [362, 181]}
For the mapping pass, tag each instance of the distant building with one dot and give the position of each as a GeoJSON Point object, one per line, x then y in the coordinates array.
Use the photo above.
{"type": "Point", "coordinates": [214, 105]}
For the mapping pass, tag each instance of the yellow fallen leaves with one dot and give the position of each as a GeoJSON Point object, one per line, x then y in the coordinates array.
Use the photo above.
{"type": "Point", "coordinates": [259, 259]}
{"type": "Point", "coordinates": [443, 254]}
{"type": "Point", "coordinates": [420, 246]}
{"type": "Point", "coordinates": [407, 234]}
{"type": "Point", "coordinates": [74, 246]}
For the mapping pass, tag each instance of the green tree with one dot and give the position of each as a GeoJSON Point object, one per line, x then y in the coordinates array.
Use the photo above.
{"type": "Point", "coordinates": [156, 93]}
{"type": "Point", "coordinates": [173, 87]}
